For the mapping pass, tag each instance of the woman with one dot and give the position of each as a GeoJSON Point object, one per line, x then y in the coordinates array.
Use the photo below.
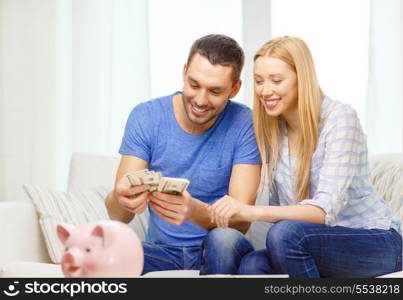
{"type": "Point", "coordinates": [328, 220]}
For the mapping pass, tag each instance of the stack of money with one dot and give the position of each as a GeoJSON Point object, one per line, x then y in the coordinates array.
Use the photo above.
{"type": "Point", "coordinates": [145, 177]}
{"type": "Point", "coordinates": [168, 185]}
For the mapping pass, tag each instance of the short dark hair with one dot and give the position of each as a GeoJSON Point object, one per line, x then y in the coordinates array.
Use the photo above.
{"type": "Point", "coordinates": [220, 49]}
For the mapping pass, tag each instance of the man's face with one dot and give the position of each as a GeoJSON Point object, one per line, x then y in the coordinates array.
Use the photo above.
{"type": "Point", "coordinates": [206, 90]}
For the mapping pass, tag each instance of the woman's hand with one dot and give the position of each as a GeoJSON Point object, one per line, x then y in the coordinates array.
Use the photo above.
{"type": "Point", "coordinates": [227, 207]}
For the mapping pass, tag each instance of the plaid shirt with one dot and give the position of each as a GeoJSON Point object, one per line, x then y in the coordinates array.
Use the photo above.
{"type": "Point", "coordinates": [340, 182]}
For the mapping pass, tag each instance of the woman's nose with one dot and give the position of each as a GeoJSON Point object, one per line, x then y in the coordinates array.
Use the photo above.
{"type": "Point", "coordinates": [267, 90]}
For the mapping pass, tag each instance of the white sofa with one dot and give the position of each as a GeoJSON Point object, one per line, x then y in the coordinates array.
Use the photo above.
{"type": "Point", "coordinates": [24, 254]}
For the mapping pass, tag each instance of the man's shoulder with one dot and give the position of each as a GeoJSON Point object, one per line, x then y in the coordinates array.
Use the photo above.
{"type": "Point", "coordinates": [152, 107]}
{"type": "Point", "coordinates": [239, 107]}
{"type": "Point", "coordinates": [237, 110]}
{"type": "Point", "coordinates": [155, 102]}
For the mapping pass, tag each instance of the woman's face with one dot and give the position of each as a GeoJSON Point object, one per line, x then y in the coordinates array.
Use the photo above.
{"type": "Point", "coordinates": [275, 85]}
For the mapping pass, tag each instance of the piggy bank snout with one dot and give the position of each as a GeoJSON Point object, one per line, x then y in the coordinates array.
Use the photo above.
{"type": "Point", "coordinates": [72, 263]}
{"type": "Point", "coordinates": [73, 257]}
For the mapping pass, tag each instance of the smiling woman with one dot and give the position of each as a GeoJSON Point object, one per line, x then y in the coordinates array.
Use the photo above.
{"type": "Point", "coordinates": [314, 157]}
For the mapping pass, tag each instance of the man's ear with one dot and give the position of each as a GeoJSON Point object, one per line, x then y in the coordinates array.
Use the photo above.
{"type": "Point", "coordinates": [235, 88]}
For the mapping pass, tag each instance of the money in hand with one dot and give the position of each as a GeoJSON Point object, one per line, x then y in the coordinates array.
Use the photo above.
{"type": "Point", "coordinates": [169, 185]}
{"type": "Point", "coordinates": [145, 177]}
{"type": "Point", "coordinates": [173, 186]}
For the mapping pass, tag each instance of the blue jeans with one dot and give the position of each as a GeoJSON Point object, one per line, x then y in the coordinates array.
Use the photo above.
{"type": "Point", "coordinates": [303, 249]}
{"type": "Point", "coordinates": [220, 253]}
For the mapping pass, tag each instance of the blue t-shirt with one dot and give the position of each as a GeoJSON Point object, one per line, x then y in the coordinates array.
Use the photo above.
{"type": "Point", "coordinates": [153, 134]}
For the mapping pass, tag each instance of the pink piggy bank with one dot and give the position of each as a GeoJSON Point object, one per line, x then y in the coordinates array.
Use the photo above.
{"type": "Point", "coordinates": [101, 249]}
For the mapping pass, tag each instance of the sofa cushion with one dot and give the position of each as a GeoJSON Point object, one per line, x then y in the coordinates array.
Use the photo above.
{"type": "Point", "coordinates": [75, 208]}
{"type": "Point", "coordinates": [92, 170]}
{"type": "Point", "coordinates": [30, 269]}
{"type": "Point", "coordinates": [387, 178]}
{"type": "Point", "coordinates": [55, 207]}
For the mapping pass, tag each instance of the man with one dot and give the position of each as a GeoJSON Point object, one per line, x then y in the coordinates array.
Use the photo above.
{"type": "Point", "coordinates": [200, 135]}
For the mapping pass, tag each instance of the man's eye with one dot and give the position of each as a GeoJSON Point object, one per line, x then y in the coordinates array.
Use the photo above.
{"type": "Point", "coordinates": [215, 93]}
{"type": "Point", "coordinates": [258, 81]}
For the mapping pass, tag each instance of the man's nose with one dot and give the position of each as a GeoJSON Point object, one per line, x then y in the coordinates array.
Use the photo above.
{"type": "Point", "coordinates": [201, 98]}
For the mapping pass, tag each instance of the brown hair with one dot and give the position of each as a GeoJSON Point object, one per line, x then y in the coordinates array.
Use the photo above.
{"type": "Point", "coordinates": [219, 49]}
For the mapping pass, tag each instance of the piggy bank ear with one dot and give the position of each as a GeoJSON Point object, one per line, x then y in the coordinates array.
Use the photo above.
{"type": "Point", "coordinates": [64, 232]}
{"type": "Point", "coordinates": [106, 237]}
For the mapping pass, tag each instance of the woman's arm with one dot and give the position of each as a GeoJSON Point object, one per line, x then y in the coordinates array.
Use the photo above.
{"type": "Point", "coordinates": [344, 144]}
{"type": "Point", "coordinates": [273, 214]}
{"type": "Point", "coordinates": [228, 207]}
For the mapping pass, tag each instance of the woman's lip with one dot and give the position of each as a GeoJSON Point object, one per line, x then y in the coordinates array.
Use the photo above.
{"type": "Point", "coordinates": [271, 103]}
{"type": "Point", "coordinates": [274, 99]}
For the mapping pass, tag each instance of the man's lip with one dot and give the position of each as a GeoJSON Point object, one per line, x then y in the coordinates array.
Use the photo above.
{"type": "Point", "coordinates": [198, 113]}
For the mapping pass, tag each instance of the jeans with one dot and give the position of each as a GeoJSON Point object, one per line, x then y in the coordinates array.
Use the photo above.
{"type": "Point", "coordinates": [302, 249]}
{"type": "Point", "coordinates": [220, 253]}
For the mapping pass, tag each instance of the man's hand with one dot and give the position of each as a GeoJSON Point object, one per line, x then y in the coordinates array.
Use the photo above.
{"type": "Point", "coordinates": [133, 199]}
{"type": "Point", "coordinates": [175, 209]}
{"type": "Point", "coordinates": [227, 207]}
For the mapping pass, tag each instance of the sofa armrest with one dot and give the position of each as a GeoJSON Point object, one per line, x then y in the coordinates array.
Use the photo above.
{"type": "Point", "coordinates": [20, 235]}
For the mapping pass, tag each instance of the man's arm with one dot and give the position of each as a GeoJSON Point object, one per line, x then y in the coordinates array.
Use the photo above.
{"type": "Point", "coordinates": [243, 185]}
{"type": "Point", "coordinates": [121, 203]}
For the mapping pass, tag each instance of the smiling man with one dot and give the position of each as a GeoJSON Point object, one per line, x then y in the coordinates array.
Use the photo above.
{"type": "Point", "coordinates": [201, 135]}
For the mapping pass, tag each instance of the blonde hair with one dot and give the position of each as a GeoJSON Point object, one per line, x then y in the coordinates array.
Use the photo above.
{"type": "Point", "coordinates": [295, 53]}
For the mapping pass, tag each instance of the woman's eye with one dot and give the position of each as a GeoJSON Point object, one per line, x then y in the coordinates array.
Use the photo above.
{"type": "Point", "coordinates": [276, 81]}
{"type": "Point", "coordinates": [258, 81]}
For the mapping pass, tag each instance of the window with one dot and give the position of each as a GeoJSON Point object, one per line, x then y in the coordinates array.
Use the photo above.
{"type": "Point", "coordinates": [173, 27]}
{"type": "Point", "coordinates": [337, 33]}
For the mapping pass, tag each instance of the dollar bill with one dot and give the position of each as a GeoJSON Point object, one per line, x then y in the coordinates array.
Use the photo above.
{"type": "Point", "coordinates": [135, 178]}
{"type": "Point", "coordinates": [169, 185]}
{"type": "Point", "coordinates": [153, 180]}
{"type": "Point", "coordinates": [173, 186]}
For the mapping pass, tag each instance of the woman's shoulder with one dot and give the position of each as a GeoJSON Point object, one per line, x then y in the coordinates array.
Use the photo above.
{"type": "Point", "coordinates": [337, 111]}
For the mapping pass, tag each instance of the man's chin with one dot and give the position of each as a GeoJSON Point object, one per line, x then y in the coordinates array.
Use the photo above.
{"type": "Point", "coordinates": [199, 121]}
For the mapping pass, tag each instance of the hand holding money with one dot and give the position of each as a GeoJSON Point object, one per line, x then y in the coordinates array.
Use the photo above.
{"type": "Point", "coordinates": [175, 209]}
{"type": "Point", "coordinates": [131, 198]}
{"type": "Point", "coordinates": [168, 185]}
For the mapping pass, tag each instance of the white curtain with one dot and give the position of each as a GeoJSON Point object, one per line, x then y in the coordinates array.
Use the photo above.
{"type": "Point", "coordinates": [385, 80]}
{"type": "Point", "coordinates": [70, 72]}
